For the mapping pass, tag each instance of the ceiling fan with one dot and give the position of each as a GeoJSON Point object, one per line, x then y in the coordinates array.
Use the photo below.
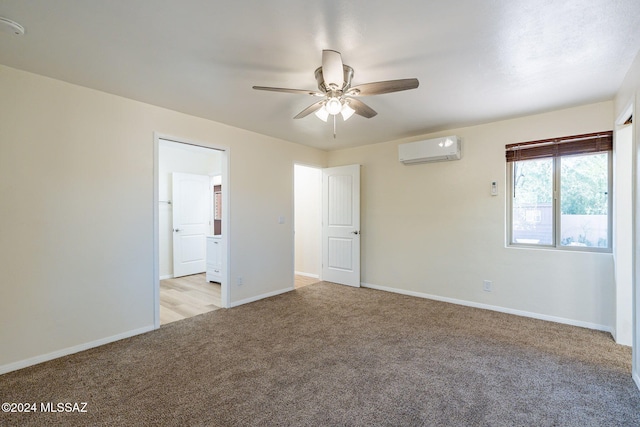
{"type": "Point", "coordinates": [339, 97]}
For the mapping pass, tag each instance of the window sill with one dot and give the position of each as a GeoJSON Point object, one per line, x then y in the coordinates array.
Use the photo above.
{"type": "Point", "coordinates": [580, 249]}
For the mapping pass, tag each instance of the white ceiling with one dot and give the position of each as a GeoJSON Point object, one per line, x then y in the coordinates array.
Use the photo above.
{"type": "Point", "coordinates": [477, 60]}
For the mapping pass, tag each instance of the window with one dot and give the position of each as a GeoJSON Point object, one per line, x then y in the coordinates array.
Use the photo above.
{"type": "Point", "coordinates": [560, 192]}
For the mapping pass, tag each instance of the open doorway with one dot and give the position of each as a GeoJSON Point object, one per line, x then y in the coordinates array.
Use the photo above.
{"type": "Point", "coordinates": [190, 225]}
{"type": "Point", "coordinates": [307, 220]}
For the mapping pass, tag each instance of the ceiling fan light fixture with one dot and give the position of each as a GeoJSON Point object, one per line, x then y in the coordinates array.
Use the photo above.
{"type": "Point", "coordinates": [333, 106]}
{"type": "Point", "coordinates": [322, 114]}
{"type": "Point", "coordinates": [347, 111]}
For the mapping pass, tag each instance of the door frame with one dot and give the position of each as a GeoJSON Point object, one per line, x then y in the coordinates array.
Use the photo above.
{"type": "Point", "coordinates": [226, 156]}
{"type": "Point", "coordinates": [629, 111]}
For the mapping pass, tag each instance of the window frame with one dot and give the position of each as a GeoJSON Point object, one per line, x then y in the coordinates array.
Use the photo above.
{"type": "Point", "coordinates": [557, 207]}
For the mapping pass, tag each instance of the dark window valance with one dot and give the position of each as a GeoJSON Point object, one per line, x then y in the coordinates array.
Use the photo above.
{"type": "Point", "coordinates": [564, 146]}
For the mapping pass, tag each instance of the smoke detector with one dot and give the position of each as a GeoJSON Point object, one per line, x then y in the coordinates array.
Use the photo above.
{"type": "Point", "coordinates": [9, 26]}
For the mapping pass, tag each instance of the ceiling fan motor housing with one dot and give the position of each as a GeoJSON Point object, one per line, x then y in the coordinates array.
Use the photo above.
{"type": "Point", "coordinates": [348, 75]}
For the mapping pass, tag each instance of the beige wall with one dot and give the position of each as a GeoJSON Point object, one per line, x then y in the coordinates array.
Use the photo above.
{"type": "Point", "coordinates": [76, 184]}
{"type": "Point", "coordinates": [627, 94]}
{"type": "Point", "coordinates": [435, 230]}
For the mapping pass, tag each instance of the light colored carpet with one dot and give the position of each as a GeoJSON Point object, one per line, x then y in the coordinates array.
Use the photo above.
{"type": "Point", "coordinates": [333, 355]}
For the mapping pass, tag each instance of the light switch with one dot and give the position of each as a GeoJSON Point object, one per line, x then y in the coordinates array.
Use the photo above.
{"type": "Point", "coordinates": [494, 188]}
{"type": "Point", "coordinates": [280, 219]}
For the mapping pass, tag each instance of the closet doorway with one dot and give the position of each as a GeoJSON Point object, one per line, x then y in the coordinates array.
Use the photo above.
{"type": "Point", "coordinates": [307, 221]}
{"type": "Point", "coordinates": [190, 229]}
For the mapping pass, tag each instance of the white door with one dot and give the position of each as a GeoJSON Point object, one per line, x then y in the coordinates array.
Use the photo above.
{"type": "Point", "coordinates": [341, 225]}
{"type": "Point", "coordinates": [190, 223]}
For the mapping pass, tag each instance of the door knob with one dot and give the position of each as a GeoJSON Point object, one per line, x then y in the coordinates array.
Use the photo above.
{"type": "Point", "coordinates": [355, 232]}
{"type": "Point", "coordinates": [176, 230]}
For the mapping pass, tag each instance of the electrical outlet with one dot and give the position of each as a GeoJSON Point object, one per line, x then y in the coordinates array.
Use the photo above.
{"type": "Point", "coordinates": [486, 285]}
{"type": "Point", "coordinates": [239, 281]}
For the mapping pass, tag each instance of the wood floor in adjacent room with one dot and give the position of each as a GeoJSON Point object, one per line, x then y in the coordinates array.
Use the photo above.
{"type": "Point", "coordinates": [188, 296]}
{"type": "Point", "coordinates": [302, 281]}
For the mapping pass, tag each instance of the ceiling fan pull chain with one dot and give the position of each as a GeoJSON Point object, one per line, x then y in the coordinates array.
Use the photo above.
{"type": "Point", "coordinates": [334, 127]}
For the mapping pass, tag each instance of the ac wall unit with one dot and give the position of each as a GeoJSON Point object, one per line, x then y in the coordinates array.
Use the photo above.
{"type": "Point", "coordinates": [430, 150]}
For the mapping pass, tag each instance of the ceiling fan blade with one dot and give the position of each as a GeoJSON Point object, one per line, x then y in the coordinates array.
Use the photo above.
{"type": "Point", "coordinates": [361, 108]}
{"type": "Point", "coordinates": [332, 70]}
{"type": "Point", "coordinates": [388, 86]}
{"type": "Point", "coordinates": [310, 109]}
{"type": "Point", "coordinates": [282, 89]}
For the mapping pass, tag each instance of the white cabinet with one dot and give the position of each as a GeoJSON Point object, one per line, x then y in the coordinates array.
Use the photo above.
{"type": "Point", "coordinates": [214, 259]}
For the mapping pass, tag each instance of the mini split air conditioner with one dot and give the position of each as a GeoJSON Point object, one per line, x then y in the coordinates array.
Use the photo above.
{"type": "Point", "coordinates": [430, 150]}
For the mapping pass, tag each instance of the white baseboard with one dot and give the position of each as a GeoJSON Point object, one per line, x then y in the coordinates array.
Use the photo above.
{"type": "Point", "coordinates": [522, 313]}
{"type": "Point", "coordinates": [71, 350]}
{"type": "Point", "coordinates": [622, 339]}
{"type": "Point", "coordinates": [168, 276]}
{"type": "Point", "coordinates": [259, 297]}
{"type": "Point", "coordinates": [313, 276]}
{"type": "Point", "coordinates": [636, 379]}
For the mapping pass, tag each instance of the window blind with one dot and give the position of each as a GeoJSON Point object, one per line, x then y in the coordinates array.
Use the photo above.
{"type": "Point", "coordinates": [563, 146]}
